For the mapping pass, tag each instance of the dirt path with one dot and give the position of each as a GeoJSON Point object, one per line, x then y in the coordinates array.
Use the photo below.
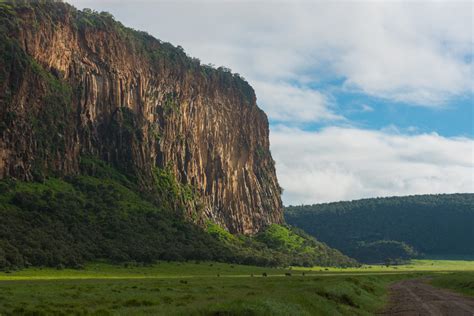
{"type": "Point", "coordinates": [416, 297]}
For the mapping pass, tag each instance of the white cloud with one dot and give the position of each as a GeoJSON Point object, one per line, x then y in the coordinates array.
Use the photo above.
{"type": "Point", "coordinates": [293, 104]}
{"type": "Point", "coordinates": [366, 108]}
{"type": "Point", "coordinates": [348, 163]}
{"type": "Point", "coordinates": [415, 52]}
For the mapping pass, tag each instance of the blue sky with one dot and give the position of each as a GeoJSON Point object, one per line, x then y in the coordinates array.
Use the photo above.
{"type": "Point", "coordinates": [454, 118]}
{"type": "Point", "coordinates": [364, 98]}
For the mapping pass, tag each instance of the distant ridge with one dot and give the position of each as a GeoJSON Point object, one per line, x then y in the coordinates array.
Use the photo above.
{"type": "Point", "coordinates": [379, 229]}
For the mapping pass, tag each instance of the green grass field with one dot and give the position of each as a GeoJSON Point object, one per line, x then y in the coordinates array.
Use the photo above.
{"type": "Point", "coordinates": [462, 282]}
{"type": "Point", "coordinates": [413, 266]}
{"type": "Point", "coordinates": [207, 289]}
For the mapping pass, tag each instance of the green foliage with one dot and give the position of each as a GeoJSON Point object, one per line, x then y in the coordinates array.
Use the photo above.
{"type": "Point", "coordinates": [69, 222]}
{"type": "Point", "coordinates": [462, 282]}
{"type": "Point", "coordinates": [300, 248]}
{"type": "Point", "coordinates": [279, 246]}
{"type": "Point", "coordinates": [173, 194]}
{"type": "Point", "coordinates": [170, 104]}
{"type": "Point", "coordinates": [12, 56]}
{"type": "Point", "coordinates": [280, 237]}
{"type": "Point", "coordinates": [89, 18]}
{"type": "Point", "coordinates": [260, 151]}
{"type": "Point", "coordinates": [388, 251]}
{"type": "Point", "coordinates": [92, 166]}
{"type": "Point", "coordinates": [127, 120]}
{"type": "Point", "coordinates": [398, 227]}
{"type": "Point", "coordinates": [220, 233]}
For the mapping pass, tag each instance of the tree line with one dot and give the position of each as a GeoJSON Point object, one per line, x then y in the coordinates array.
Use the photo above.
{"type": "Point", "coordinates": [389, 228]}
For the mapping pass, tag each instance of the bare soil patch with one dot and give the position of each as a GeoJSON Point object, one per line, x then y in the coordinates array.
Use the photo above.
{"type": "Point", "coordinates": [417, 297]}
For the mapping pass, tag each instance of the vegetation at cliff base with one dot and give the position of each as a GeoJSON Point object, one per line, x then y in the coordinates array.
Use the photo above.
{"type": "Point", "coordinates": [101, 214]}
{"type": "Point", "coordinates": [392, 229]}
{"type": "Point", "coordinates": [302, 248]}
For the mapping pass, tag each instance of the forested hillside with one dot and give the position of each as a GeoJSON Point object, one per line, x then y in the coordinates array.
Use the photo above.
{"type": "Point", "coordinates": [100, 215]}
{"type": "Point", "coordinates": [392, 228]}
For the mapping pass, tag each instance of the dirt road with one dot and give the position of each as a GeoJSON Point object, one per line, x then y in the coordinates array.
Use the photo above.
{"type": "Point", "coordinates": [417, 297]}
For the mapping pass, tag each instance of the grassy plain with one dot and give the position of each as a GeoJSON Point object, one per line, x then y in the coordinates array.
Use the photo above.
{"type": "Point", "coordinates": [208, 289]}
{"type": "Point", "coordinates": [462, 282]}
{"type": "Point", "coordinates": [412, 266]}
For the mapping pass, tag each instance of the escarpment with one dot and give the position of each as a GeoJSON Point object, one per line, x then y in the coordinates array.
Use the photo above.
{"type": "Point", "coordinates": [78, 83]}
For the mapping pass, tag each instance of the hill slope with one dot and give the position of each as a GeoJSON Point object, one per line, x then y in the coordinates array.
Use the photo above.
{"type": "Point", "coordinates": [395, 227]}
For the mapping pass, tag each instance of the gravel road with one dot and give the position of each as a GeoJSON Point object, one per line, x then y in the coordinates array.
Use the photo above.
{"type": "Point", "coordinates": [417, 297]}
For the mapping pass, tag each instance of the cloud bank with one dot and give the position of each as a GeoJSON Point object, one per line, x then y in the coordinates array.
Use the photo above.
{"type": "Point", "coordinates": [347, 163]}
{"type": "Point", "coordinates": [414, 52]}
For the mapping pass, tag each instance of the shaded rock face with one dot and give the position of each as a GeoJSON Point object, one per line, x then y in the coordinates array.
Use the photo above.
{"type": "Point", "coordinates": [77, 83]}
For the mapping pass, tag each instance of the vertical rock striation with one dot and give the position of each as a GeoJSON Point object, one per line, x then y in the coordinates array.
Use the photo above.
{"type": "Point", "coordinates": [77, 83]}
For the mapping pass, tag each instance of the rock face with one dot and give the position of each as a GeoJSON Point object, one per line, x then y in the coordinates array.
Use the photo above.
{"type": "Point", "coordinates": [77, 83]}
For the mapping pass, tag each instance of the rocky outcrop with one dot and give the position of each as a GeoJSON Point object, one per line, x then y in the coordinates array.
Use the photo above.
{"type": "Point", "coordinates": [79, 83]}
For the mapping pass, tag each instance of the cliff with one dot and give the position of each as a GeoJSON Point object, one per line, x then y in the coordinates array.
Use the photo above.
{"type": "Point", "coordinates": [77, 84]}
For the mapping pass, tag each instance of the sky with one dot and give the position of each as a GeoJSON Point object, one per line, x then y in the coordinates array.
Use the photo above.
{"type": "Point", "coordinates": [364, 98]}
